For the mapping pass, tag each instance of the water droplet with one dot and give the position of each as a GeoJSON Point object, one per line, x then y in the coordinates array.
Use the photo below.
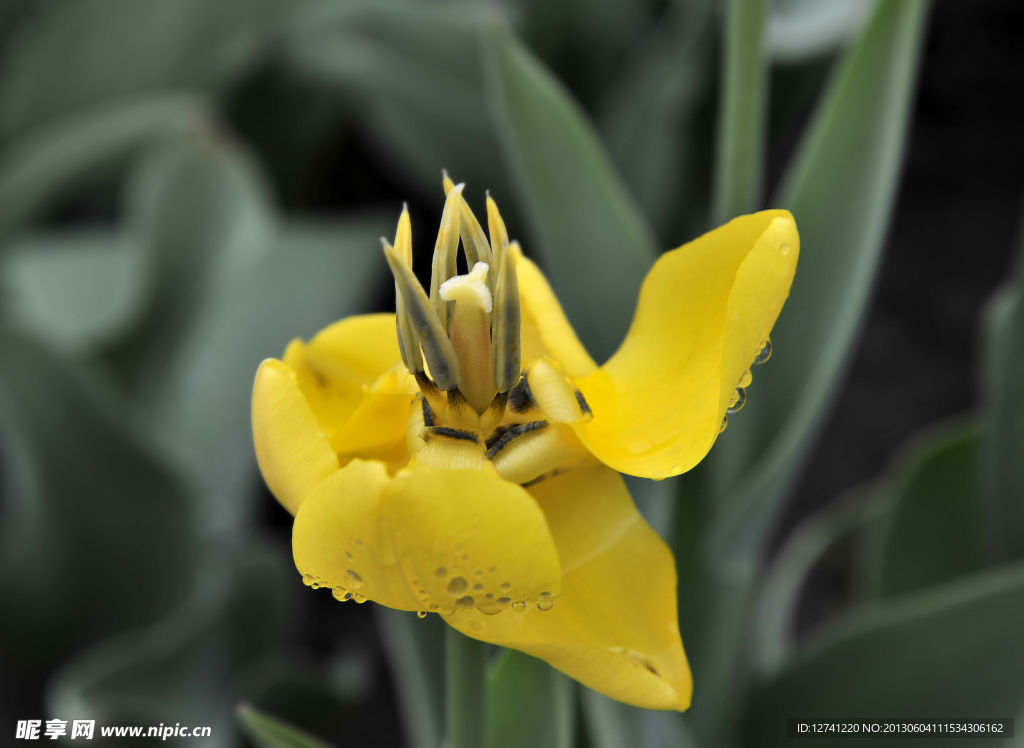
{"type": "Point", "coordinates": [765, 353]}
{"type": "Point", "coordinates": [478, 573]}
{"type": "Point", "coordinates": [739, 399]}
{"type": "Point", "coordinates": [440, 572]}
{"type": "Point", "coordinates": [491, 569]}
{"type": "Point", "coordinates": [478, 586]}
{"type": "Point", "coordinates": [421, 614]}
{"type": "Point", "coordinates": [434, 606]}
{"type": "Point", "coordinates": [354, 577]}
{"type": "Point", "coordinates": [545, 601]}
{"type": "Point", "coordinates": [489, 596]}
{"type": "Point", "coordinates": [457, 586]}
{"type": "Point", "coordinates": [725, 423]}
{"type": "Point", "coordinates": [505, 585]}
{"type": "Point", "coordinates": [348, 555]}
{"type": "Point", "coordinates": [465, 557]}
{"type": "Point", "coordinates": [503, 600]}
{"type": "Point", "coordinates": [341, 594]}
{"type": "Point", "coordinates": [308, 579]}
{"type": "Point", "coordinates": [465, 602]}
{"type": "Point", "coordinates": [746, 379]}
{"type": "Point", "coordinates": [358, 598]}
{"type": "Point", "coordinates": [489, 609]}
{"type": "Point", "coordinates": [314, 585]}
{"type": "Point", "coordinates": [359, 543]}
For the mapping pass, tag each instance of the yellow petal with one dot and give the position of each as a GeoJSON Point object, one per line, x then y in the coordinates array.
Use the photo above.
{"type": "Point", "coordinates": [292, 450]}
{"type": "Point", "coordinates": [340, 361]}
{"type": "Point", "coordinates": [703, 313]}
{"type": "Point", "coordinates": [427, 539]}
{"type": "Point", "coordinates": [545, 329]}
{"type": "Point", "coordinates": [614, 627]}
{"type": "Point", "coordinates": [376, 429]}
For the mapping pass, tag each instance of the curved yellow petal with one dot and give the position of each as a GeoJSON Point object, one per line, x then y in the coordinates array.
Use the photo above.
{"type": "Point", "coordinates": [292, 450]}
{"type": "Point", "coordinates": [545, 329]}
{"type": "Point", "coordinates": [704, 311]}
{"type": "Point", "coordinates": [340, 361]}
{"type": "Point", "coordinates": [376, 429]}
{"type": "Point", "coordinates": [426, 539]}
{"type": "Point", "coordinates": [614, 628]}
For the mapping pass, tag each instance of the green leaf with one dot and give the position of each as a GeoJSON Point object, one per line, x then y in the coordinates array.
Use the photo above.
{"type": "Point", "coordinates": [1002, 478]}
{"type": "Point", "coordinates": [114, 48]}
{"type": "Point", "coordinates": [591, 236]}
{"type": "Point", "coordinates": [929, 532]}
{"type": "Point", "coordinates": [200, 391]}
{"type": "Point", "coordinates": [739, 159]}
{"type": "Point", "coordinates": [37, 167]}
{"type": "Point", "coordinates": [528, 704]}
{"type": "Point", "coordinates": [98, 534]}
{"type": "Point", "coordinates": [841, 189]}
{"type": "Point", "coordinates": [659, 90]}
{"type": "Point", "coordinates": [271, 732]}
{"type": "Point", "coordinates": [411, 75]}
{"type": "Point", "coordinates": [415, 653]}
{"type": "Point", "coordinates": [806, 550]}
{"type": "Point", "coordinates": [75, 290]}
{"type": "Point", "coordinates": [953, 651]}
{"type": "Point", "coordinates": [186, 668]}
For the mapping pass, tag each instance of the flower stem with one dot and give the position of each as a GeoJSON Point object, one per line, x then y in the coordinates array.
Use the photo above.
{"type": "Point", "coordinates": [466, 671]}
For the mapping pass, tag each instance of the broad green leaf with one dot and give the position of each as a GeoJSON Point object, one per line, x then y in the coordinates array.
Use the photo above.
{"type": "Point", "coordinates": [414, 648]}
{"type": "Point", "coordinates": [412, 75]}
{"type": "Point", "coordinates": [98, 534]}
{"type": "Point", "coordinates": [315, 274]}
{"type": "Point", "coordinates": [528, 704]}
{"type": "Point", "coordinates": [659, 90]}
{"type": "Point", "coordinates": [841, 189]}
{"type": "Point", "coordinates": [38, 166]}
{"type": "Point", "coordinates": [75, 290]}
{"type": "Point", "coordinates": [929, 532]}
{"type": "Point", "coordinates": [805, 551]}
{"type": "Point", "coordinates": [272, 732]}
{"type": "Point", "coordinates": [199, 211]}
{"type": "Point", "coordinates": [591, 236]}
{"type": "Point", "coordinates": [1002, 477]}
{"type": "Point", "coordinates": [186, 667]}
{"type": "Point", "coordinates": [800, 30]}
{"type": "Point", "coordinates": [466, 693]}
{"type": "Point", "coordinates": [951, 651]}
{"type": "Point", "coordinates": [114, 48]}
{"type": "Point", "coordinates": [739, 161]}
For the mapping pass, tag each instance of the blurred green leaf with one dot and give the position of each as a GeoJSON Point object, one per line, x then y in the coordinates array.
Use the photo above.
{"type": "Point", "coordinates": [739, 161]}
{"type": "Point", "coordinates": [1002, 477]}
{"type": "Point", "coordinates": [591, 236]}
{"type": "Point", "coordinates": [415, 650]}
{"type": "Point", "coordinates": [36, 167]}
{"type": "Point", "coordinates": [658, 91]}
{"type": "Point", "coordinates": [75, 290]}
{"type": "Point", "coordinates": [841, 189]}
{"type": "Point", "coordinates": [98, 535]}
{"type": "Point", "coordinates": [200, 393]}
{"type": "Point", "coordinates": [949, 651]}
{"type": "Point", "coordinates": [799, 30]}
{"type": "Point", "coordinates": [66, 56]}
{"type": "Point", "coordinates": [413, 75]}
{"type": "Point", "coordinates": [271, 732]}
{"type": "Point", "coordinates": [185, 668]}
{"type": "Point", "coordinates": [611, 724]}
{"type": "Point", "coordinates": [929, 531]}
{"type": "Point", "coordinates": [804, 552]}
{"type": "Point", "coordinates": [529, 703]}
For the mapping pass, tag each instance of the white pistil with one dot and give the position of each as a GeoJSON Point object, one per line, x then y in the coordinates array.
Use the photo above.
{"type": "Point", "coordinates": [470, 333]}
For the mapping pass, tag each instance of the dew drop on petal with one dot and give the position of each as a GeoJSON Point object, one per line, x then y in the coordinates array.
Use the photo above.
{"type": "Point", "coordinates": [440, 572]}
{"type": "Point", "coordinates": [358, 598]}
{"type": "Point", "coordinates": [503, 600]}
{"type": "Point", "coordinates": [308, 579]}
{"type": "Point", "coordinates": [465, 602]}
{"type": "Point", "coordinates": [545, 601]}
{"type": "Point", "coordinates": [765, 353]}
{"type": "Point", "coordinates": [421, 614]}
{"type": "Point", "coordinates": [358, 580]}
{"type": "Point", "coordinates": [505, 585]}
{"type": "Point", "coordinates": [725, 423]}
{"type": "Point", "coordinates": [477, 587]}
{"type": "Point", "coordinates": [341, 594]}
{"type": "Point", "coordinates": [457, 585]}
{"type": "Point", "coordinates": [739, 399]}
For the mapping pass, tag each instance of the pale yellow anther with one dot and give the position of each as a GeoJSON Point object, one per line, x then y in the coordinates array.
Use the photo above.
{"type": "Point", "coordinates": [470, 289]}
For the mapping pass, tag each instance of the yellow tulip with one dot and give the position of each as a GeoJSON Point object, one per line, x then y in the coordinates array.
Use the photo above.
{"type": "Point", "coordinates": [462, 456]}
